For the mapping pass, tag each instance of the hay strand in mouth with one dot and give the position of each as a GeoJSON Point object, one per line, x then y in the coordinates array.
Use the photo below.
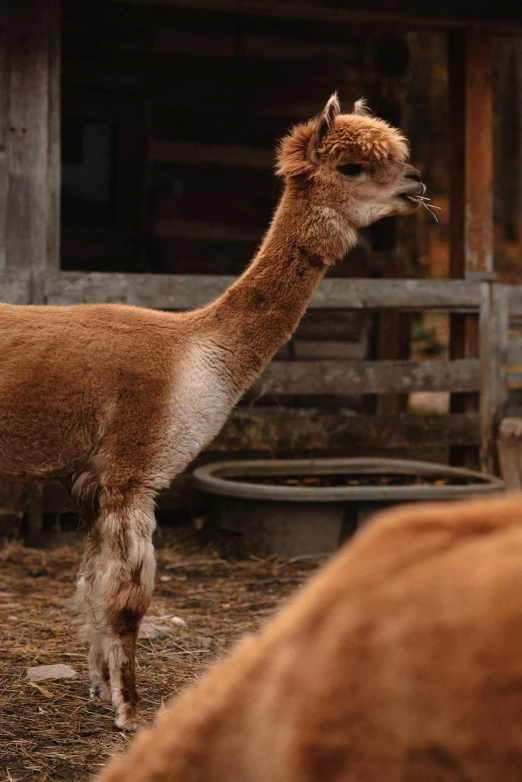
{"type": "Point", "coordinates": [424, 201]}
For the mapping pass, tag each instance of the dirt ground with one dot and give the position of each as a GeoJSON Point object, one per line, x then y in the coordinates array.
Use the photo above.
{"type": "Point", "coordinates": [51, 731]}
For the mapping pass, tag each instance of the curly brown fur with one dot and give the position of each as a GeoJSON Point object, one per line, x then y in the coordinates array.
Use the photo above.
{"type": "Point", "coordinates": [348, 138]}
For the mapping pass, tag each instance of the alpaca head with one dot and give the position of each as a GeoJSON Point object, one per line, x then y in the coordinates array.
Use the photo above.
{"type": "Point", "coordinates": [350, 166]}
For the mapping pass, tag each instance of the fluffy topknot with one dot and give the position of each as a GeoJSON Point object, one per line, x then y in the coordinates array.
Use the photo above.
{"type": "Point", "coordinates": [341, 138]}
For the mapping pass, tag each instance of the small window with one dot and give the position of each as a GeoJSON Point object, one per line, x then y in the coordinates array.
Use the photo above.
{"type": "Point", "coordinates": [88, 195]}
{"type": "Point", "coordinates": [103, 181]}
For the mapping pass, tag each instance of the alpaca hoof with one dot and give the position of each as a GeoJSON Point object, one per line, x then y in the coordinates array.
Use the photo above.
{"type": "Point", "coordinates": [129, 724]}
{"type": "Point", "coordinates": [126, 726]}
{"type": "Point", "coordinates": [99, 693]}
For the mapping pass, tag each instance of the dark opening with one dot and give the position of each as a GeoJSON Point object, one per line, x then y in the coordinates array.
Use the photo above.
{"type": "Point", "coordinates": [88, 194]}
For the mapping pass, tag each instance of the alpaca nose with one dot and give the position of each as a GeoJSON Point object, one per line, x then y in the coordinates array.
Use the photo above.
{"type": "Point", "coordinates": [413, 173]}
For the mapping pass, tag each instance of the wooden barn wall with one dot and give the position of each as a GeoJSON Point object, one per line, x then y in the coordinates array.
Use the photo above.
{"type": "Point", "coordinates": [427, 121]}
{"type": "Point", "coordinates": [200, 99]}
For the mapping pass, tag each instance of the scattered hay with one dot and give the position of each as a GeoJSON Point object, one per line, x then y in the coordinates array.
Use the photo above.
{"type": "Point", "coordinates": [51, 731]}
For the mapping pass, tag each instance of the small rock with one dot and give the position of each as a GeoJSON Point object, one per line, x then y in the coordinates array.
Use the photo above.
{"type": "Point", "coordinates": [178, 621]}
{"type": "Point", "coordinates": [41, 673]}
{"type": "Point", "coordinates": [206, 642]}
{"type": "Point", "coordinates": [152, 632]}
{"type": "Point", "coordinates": [12, 619]}
{"type": "Point", "coordinates": [164, 579]}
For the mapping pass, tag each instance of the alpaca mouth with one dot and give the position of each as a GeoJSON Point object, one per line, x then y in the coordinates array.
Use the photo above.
{"type": "Point", "coordinates": [419, 199]}
{"type": "Point", "coordinates": [411, 194]}
{"type": "Point", "coordinates": [409, 199]}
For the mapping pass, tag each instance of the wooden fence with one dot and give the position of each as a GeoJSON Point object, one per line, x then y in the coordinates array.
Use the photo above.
{"type": "Point", "coordinates": [483, 376]}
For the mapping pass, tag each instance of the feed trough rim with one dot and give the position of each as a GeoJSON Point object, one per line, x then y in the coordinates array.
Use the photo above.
{"type": "Point", "coordinates": [209, 479]}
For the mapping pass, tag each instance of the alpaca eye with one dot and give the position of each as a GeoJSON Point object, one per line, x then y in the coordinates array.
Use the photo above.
{"type": "Point", "coordinates": [351, 169]}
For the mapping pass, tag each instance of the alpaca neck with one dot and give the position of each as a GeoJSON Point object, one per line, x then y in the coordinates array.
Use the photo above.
{"type": "Point", "coordinates": [260, 312]}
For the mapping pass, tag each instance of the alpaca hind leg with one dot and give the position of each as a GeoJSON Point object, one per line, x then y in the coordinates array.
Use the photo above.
{"type": "Point", "coordinates": [120, 575]}
{"type": "Point", "coordinates": [99, 669]}
{"type": "Point", "coordinates": [125, 588]}
{"type": "Point", "coordinates": [92, 630]}
{"type": "Point", "coordinates": [121, 657]}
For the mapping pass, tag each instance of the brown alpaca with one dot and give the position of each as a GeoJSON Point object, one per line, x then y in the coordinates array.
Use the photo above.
{"type": "Point", "coordinates": [115, 401]}
{"type": "Point", "coordinates": [399, 662]}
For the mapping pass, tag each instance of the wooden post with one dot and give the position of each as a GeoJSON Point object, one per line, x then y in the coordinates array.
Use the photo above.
{"type": "Point", "coordinates": [34, 513]}
{"type": "Point", "coordinates": [471, 187]}
{"type": "Point", "coordinates": [30, 101]}
{"type": "Point", "coordinates": [494, 334]}
{"type": "Point", "coordinates": [394, 343]}
{"type": "Point", "coordinates": [510, 453]}
{"type": "Point", "coordinates": [4, 88]}
{"type": "Point", "coordinates": [30, 150]}
{"type": "Point", "coordinates": [54, 168]}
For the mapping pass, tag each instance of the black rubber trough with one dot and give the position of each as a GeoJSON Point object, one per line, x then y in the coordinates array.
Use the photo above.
{"type": "Point", "coordinates": [294, 507]}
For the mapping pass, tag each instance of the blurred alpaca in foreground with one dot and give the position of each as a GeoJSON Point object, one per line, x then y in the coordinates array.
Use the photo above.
{"type": "Point", "coordinates": [401, 660]}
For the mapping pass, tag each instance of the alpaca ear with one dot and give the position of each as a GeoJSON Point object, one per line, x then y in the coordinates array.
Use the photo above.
{"type": "Point", "coordinates": [323, 125]}
{"type": "Point", "coordinates": [360, 107]}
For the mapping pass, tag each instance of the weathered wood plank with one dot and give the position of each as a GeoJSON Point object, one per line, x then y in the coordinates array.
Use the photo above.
{"type": "Point", "coordinates": [211, 43]}
{"type": "Point", "coordinates": [168, 123]}
{"type": "Point", "coordinates": [54, 141]}
{"type": "Point", "coordinates": [256, 45]}
{"type": "Point", "coordinates": [499, 394]}
{"type": "Point", "coordinates": [267, 72]}
{"type": "Point", "coordinates": [185, 152]}
{"type": "Point", "coordinates": [393, 343]}
{"type": "Point", "coordinates": [398, 294]}
{"type": "Point", "coordinates": [15, 287]}
{"type": "Point", "coordinates": [510, 453]}
{"type": "Point", "coordinates": [174, 256]}
{"type": "Point", "coordinates": [501, 16]}
{"type": "Point", "coordinates": [319, 326]}
{"type": "Point", "coordinates": [512, 312]}
{"type": "Point", "coordinates": [471, 187]}
{"type": "Point", "coordinates": [329, 350]}
{"type": "Point", "coordinates": [240, 196]}
{"type": "Point", "coordinates": [144, 290]}
{"type": "Point", "coordinates": [27, 148]}
{"type": "Point", "coordinates": [515, 302]}
{"type": "Point", "coordinates": [189, 291]}
{"type": "Point", "coordinates": [140, 28]}
{"type": "Point", "coordinates": [114, 73]}
{"type": "Point", "coordinates": [206, 229]}
{"type": "Point", "coordinates": [293, 430]}
{"type": "Point", "coordinates": [368, 377]}
{"type": "Point", "coordinates": [199, 43]}
{"type": "Point", "coordinates": [487, 348]}
{"type": "Point", "coordinates": [4, 131]}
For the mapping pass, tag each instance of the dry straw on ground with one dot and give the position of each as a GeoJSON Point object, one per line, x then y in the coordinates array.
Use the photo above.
{"type": "Point", "coordinates": [50, 730]}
